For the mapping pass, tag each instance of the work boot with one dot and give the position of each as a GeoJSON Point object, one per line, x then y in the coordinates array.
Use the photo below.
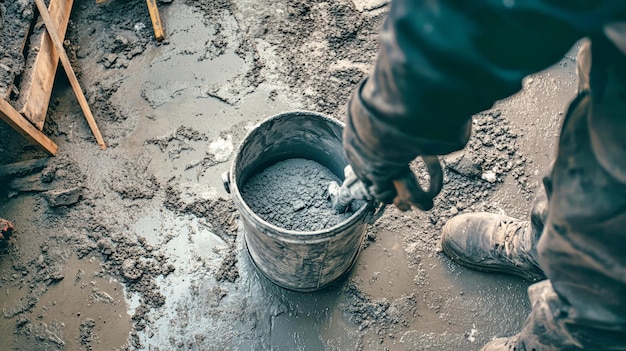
{"type": "Point", "coordinates": [490, 242]}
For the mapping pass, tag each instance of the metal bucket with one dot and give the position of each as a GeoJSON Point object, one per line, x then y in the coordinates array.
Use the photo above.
{"type": "Point", "coordinates": [301, 261]}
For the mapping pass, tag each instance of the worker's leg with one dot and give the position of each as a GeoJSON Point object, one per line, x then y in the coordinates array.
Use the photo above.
{"type": "Point", "coordinates": [582, 248]}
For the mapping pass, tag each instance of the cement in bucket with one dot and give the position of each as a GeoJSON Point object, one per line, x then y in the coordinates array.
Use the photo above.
{"type": "Point", "coordinates": [301, 261]}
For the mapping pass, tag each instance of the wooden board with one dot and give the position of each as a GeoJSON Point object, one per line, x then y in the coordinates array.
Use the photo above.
{"type": "Point", "coordinates": [36, 87]}
{"type": "Point", "coordinates": [156, 19]}
{"type": "Point", "coordinates": [23, 126]}
{"type": "Point", "coordinates": [23, 167]}
{"type": "Point", "coordinates": [69, 71]}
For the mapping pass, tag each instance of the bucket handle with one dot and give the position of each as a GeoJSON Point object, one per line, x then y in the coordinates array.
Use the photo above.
{"type": "Point", "coordinates": [410, 192]}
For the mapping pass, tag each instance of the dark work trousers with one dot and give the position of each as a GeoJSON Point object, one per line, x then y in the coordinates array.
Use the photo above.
{"type": "Point", "coordinates": [582, 221]}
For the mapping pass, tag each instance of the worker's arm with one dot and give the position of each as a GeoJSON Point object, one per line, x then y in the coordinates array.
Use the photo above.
{"type": "Point", "coordinates": [442, 61]}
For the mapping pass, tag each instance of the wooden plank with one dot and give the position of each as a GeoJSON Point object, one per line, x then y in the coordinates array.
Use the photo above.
{"type": "Point", "coordinates": [23, 126]}
{"type": "Point", "coordinates": [36, 86]}
{"type": "Point", "coordinates": [69, 71]}
{"type": "Point", "coordinates": [23, 167]}
{"type": "Point", "coordinates": [156, 19]}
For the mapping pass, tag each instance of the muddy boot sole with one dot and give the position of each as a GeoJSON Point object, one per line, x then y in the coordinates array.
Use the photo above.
{"type": "Point", "coordinates": [492, 268]}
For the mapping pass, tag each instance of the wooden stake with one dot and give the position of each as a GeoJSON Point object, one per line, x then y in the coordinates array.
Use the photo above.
{"type": "Point", "coordinates": [43, 11]}
{"type": "Point", "coordinates": [23, 126]}
{"type": "Point", "coordinates": [156, 19]}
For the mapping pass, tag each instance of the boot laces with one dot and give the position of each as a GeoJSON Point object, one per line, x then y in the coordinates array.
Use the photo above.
{"type": "Point", "coordinates": [510, 242]}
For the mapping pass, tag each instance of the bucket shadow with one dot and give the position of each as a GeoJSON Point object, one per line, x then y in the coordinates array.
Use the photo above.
{"type": "Point", "coordinates": [284, 319]}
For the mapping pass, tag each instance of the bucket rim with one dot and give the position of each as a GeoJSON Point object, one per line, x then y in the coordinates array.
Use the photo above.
{"type": "Point", "coordinates": [271, 229]}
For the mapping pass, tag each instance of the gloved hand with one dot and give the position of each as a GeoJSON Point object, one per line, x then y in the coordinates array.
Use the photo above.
{"type": "Point", "coordinates": [410, 193]}
{"type": "Point", "coordinates": [402, 187]}
{"type": "Point", "coordinates": [386, 172]}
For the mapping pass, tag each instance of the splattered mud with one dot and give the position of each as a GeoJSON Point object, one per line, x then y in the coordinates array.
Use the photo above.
{"type": "Point", "coordinates": [139, 247]}
{"type": "Point", "coordinates": [293, 194]}
{"type": "Point", "coordinates": [15, 18]}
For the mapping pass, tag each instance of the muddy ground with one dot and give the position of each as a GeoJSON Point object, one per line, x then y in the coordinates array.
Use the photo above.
{"type": "Point", "coordinates": [140, 248]}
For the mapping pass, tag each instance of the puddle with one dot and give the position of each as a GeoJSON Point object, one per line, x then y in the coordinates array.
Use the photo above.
{"type": "Point", "coordinates": [384, 268]}
{"type": "Point", "coordinates": [455, 305]}
{"type": "Point", "coordinates": [182, 238]}
{"type": "Point", "coordinates": [185, 65]}
{"type": "Point", "coordinates": [57, 319]}
{"type": "Point", "coordinates": [99, 299]}
{"type": "Point", "coordinates": [287, 320]}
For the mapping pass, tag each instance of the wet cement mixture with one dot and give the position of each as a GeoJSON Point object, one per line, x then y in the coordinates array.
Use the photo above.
{"type": "Point", "coordinates": [293, 194]}
{"type": "Point", "coordinates": [15, 19]}
{"type": "Point", "coordinates": [139, 247]}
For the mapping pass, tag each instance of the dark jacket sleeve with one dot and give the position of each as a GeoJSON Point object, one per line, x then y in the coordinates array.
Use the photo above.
{"type": "Point", "coordinates": [441, 61]}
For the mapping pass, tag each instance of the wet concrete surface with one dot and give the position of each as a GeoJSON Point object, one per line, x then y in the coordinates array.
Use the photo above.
{"type": "Point", "coordinates": [155, 198]}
